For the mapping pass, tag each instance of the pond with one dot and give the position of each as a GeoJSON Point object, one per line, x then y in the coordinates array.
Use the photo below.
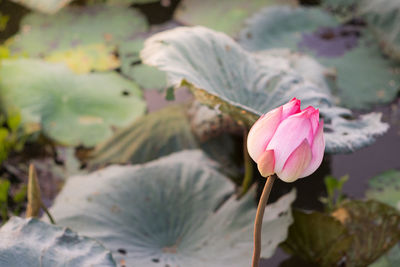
{"type": "Point", "coordinates": [130, 121]}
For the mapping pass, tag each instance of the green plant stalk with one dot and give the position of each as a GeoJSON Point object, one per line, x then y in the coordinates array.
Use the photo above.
{"type": "Point", "coordinates": [248, 168]}
{"type": "Point", "coordinates": [48, 213]}
{"type": "Point", "coordinates": [259, 218]}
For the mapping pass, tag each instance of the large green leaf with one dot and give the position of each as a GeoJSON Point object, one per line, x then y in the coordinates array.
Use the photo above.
{"type": "Point", "coordinates": [45, 6]}
{"type": "Point", "coordinates": [71, 109]}
{"type": "Point", "coordinates": [246, 85]}
{"type": "Point", "coordinates": [152, 136]}
{"type": "Point", "coordinates": [75, 26]}
{"type": "Point", "coordinates": [317, 238]}
{"type": "Point", "coordinates": [390, 259]}
{"type": "Point", "coordinates": [356, 234]}
{"type": "Point", "coordinates": [173, 211]}
{"type": "Point", "coordinates": [386, 188]}
{"type": "Point", "coordinates": [384, 17]}
{"type": "Point", "coordinates": [30, 242]}
{"type": "Point", "coordinates": [374, 226]}
{"type": "Point", "coordinates": [227, 16]}
{"type": "Point", "coordinates": [77, 34]}
{"type": "Point", "coordinates": [146, 76]}
{"type": "Point", "coordinates": [364, 76]}
{"type": "Point", "coordinates": [170, 130]}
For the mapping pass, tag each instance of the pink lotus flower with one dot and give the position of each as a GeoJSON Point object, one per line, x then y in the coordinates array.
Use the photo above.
{"type": "Point", "coordinates": [287, 141]}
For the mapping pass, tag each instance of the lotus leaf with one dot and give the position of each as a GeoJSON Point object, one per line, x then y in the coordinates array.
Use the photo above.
{"type": "Point", "coordinates": [146, 76]}
{"type": "Point", "coordinates": [45, 6]}
{"type": "Point", "coordinates": [30, 242]}
{"type": "Point", "coordinates": [228, 16]}
{"type": "Point", "coordinates": [246, 85]}
{"type": "Point", "coordinates": [348, 49]}
{"type": "Point", "coordinates": [174, 211]}
{"type": "Point", "coordinates": [386, 188]}
{"type": "Point", "coordinates": [384, 17]}
{"type": "Point", "coordinates": [71, 109]}
{"type": "Point", "coordinates": [82, 35]}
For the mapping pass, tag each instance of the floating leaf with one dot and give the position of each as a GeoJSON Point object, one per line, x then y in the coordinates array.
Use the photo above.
{"type": "Point", "coordinates": [45, 6]}
{"type": "Point", "coordinates": [227, 16]}
{"type": "Point", "coordinates": [152, 136]}
{"type": "Point", "coordinates": [84, 59]}
{"type": "Point", "coordinates": [390, 259]}
{"type": "Point", "coordinates": [146, 76]}
{"type": "Point", "coordinates": [318, 238]}
{"type": "Point", "coordinates": [356, 234]}
{"type": "Point", "coordinates": [386, 188]}
{"type": "Point", "coordinates": [82, 36]}
{"type": "Point", "coordinates": [347, 48]}
{"type": "Point", "coordinates": [30, 242]}
{"type": "Point", "coordinates": [384, 17]}
{"type": "Point", "coordinates": [72, 109]}
{"type": "Point", "coordinates": [170, 212]}
{"type": "Point", "coordinates": [246, 85]}
{"type": "Point", "coordinates": [130, 2]}
{"type": "Point", "coordinates": [375, 227]}
{"type": "Point", "coordinates": [164, 132]}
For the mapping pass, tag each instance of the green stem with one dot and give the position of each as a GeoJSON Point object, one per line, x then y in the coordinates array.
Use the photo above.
{"type": "Point", "coordinates": [248, 167]}
{"type": "Point", "coordinates": [259, 218]}
{"type": "Point", "coordinates": [48, 213]}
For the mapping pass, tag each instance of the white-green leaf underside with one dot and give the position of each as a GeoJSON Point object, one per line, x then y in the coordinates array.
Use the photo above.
{"type": "Point", "coordinates": [246, 84]}
{"type": "Point", "coordinates": [30, 242]}
{"type": "Point", "coordinates": [175, 211]}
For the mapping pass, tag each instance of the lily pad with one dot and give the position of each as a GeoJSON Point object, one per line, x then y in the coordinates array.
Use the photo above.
{"type": "Point", "coordinates": [30, 242]}
{"type": "Point", "coordinates": [384, 17]}
{"type": "Point", "coordinates": [355, 234]}
{"type": "Point", "coordinates": [227, 16]}
{"type": "Point", "coordinates": [349, 49]}
{"type": "Point", "coordinates": [147, 77]}
{"type": "Point", "coordinates": [84, 59]}
{"type": "Point", "coordinates": [173, 211]}
{"type": "Point", "coordinates": [390, 259]}
{"type": "Point", "coordinates": [78, 30]}
{"type": "Point", "coordinates": [71, 109]}
{"type": "Point", "coordinates": [317, 238]}
{"type": "Point", "coordinates": [386, 188]}
{"type": "Point", "coordinates": [375, 227]}
{"type": "Point", "coordinates": [44, 6]}
{"type": "Point", "coordinates": [246, 85]}
{"type": "Point", "coordinates": [154, 135]}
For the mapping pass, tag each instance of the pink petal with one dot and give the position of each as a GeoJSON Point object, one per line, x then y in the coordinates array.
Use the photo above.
{"type": "Point", "coordinates": [266, 163]}
{"type": "Point", "coordinates": [261, 133]}
{"type": "Point", "coordinates": [290, 108]}
{"type": "Point", "coordinates": [289, 135]}
{"type": "Point", "coordinates": [317, 148]}
{"type": "Point", "coordinates": [296, 163]}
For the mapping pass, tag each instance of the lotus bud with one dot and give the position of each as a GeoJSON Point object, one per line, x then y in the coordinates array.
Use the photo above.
{"type": "Point", "coordinates": [287, 141]}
